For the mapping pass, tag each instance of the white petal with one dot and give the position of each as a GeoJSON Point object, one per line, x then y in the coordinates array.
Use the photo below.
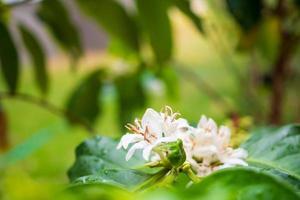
{"type": "Point", "coordinates": [208, 124]}
{"type": "Point", "coordinates": [205, 151]}
{"type": "Point", "coordinates": [139, 145]}
{"type": "Point", "coordinates": [152, 120]}
{"type": "Point", "coordinates": [182, 124]}
{"type": "Point", "coordinates": [202, 122]}
{"type": "Point", "coordinates": [235, 161]}
{"type": "Point", "coordinates": [224, 166]}
{"type": "Point", "coordinates": [129, 138]}
{"type": "Point", "coordinates": [165, 140]}
{"type": "Point", "coordinates": [239, 153]}
{"type": "Point", "coordinates": [224, 136]}
{"type": "Point", "coordinates": [147, 152]}
{"type": "Point", "coordinates": [212, 126]}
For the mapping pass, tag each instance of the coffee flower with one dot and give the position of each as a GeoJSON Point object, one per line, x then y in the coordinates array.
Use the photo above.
{"type": "Point", "coordinates": [153, 129]}
{"type": "Point", "coordinates": [210, 148]}
{"type": "Point", "coordinates": [205, 148]}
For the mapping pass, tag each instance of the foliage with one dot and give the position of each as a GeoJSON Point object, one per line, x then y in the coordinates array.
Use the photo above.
{"type": "Point", "coordinates": [268, 34]}
{"type": "Point", "coordinates": [98, 161]}
{"type": "Point", "coordinates": [38, 58]}
{"type": "Point", "coordinates": [60, 25]}
{"type": "Point", "coordinates": [9, 58]}
{"type": "Point", "coordinates": [84, 101]}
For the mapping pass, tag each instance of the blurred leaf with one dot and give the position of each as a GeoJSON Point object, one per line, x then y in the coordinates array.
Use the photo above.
{"type": "Point", "coordinates": [297, 2]}
{"type": "Point", "coordinates": [242, 184]}
{"type": "Point", "coordinates": [114, 19]}
{"type": "Point", "coordinates": [247, 40]}
{"type": "Point", "coordinates": [156, 22]}
{"type": "Point", "coordinates": [131, 96]}
{"type": "Point", "coordinates": [268, 38]}
{"type": "Point", "coordinates": [3, 130]}
{"type": "Point", "coordinates": [56, 17]}
{"type": "Point", "coordinates": [247, 13]}
{"type": "Point", "coordinates": [83, 104]}
{"type": "Point", "coordinates": [9, 60]}
{"type": "Point", "coordinates": [185, 7]}
{"type": "Point", "coordinates": [38, 58]}
{"type": "Point", "coordinates": [98, 161]}
{"type": "Point", "coordinates": [169, 76]}
{"type": "Point", "coordinates": [93, 192]}
{"type": "Point", "coordinates": [30, 145]}
{"type": "Point", "coordinates": [276, 148]}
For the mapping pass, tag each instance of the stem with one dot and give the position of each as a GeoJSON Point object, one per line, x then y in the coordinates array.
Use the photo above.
{"type": "Point", "coordinates": [152, 181]}
{"type": "Point", "coordinates": [47, 106]}
{"type": "Point", "coordinates": [190, 173]}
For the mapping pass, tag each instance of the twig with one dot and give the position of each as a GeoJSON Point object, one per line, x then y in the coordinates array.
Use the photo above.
{"type": "Point", "coordinates": [47, 106]}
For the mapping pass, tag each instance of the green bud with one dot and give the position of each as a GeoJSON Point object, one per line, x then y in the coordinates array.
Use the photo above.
{"type": "Point", "coordinates": [173, 153]}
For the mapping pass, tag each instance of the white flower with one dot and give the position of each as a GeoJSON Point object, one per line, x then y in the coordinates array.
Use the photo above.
{"type": "Point", "coordinates": [154, 128]}
{"type": "Point", "coordinates": [210, 149]}
{"type": "Point", "coordinates": [207, 147]}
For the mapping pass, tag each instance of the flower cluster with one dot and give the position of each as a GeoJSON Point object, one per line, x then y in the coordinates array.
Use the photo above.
{"type": "Point", "coordinates": [206, 146]}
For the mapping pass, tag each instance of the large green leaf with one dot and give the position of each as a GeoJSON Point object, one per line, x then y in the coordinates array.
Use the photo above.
{"type": "Point", "coordinates": [155, 20]}
{"type": "Point", "coordinates": [98, 161]}
{"type": "Point", "coordinates": [83, 104]}
{"type": "Point", "coordinates": [241, 184]}
{"type": "Point", "coordinates": [37, 56]}
{"type": "Point", "coordinates": [114, 19]}
{"type": "Point", "coordinates": [247, 13]}
{"type": "Point", "coordinates": [94, 191]}
{"type": "Point", "coordinates": [56, 17]}
{"type": "Point", "coordinates": [9, 59]}
{"type": "Point", "coordinates": [276, 149]}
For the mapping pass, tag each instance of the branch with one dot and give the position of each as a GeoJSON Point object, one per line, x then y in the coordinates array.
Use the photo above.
{"type": "Point", "coordinates": [47, 106]}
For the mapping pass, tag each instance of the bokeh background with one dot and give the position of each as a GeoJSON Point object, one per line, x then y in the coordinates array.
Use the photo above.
{"type": "Point", "coordinates": [74, 68]}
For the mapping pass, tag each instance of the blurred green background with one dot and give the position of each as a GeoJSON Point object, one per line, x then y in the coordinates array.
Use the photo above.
{"type": "Point", "coordinates": [234, 61]}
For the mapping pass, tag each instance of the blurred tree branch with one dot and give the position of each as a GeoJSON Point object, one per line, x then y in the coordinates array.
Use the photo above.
{"type": "Point", "coordinates": [288, 44]}
{"type": "Point", "coordinates": [47, 106]}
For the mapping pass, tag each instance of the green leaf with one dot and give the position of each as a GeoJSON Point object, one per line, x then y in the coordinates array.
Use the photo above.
{"type": "Point", "coordinates": [98, 161]}
{"type": "Point", "coordinates": [131, 96]}
{"type": "Point", "coordinates": [171, 79]}
{"type": "Point", "coordinates": [37, 56]}
{"type": "Point", "coordinates": [56, 17]}
{"type": "Point", "coordinates": [241, 184]}
{"type": "Point", "coordinates": [114, 19]}
{"type": "Point", "coordinates": [247, 13]}
{"type": "Point", "coordinates": [83, 104]}
{"type": "Point", "coordinates": [155, 20]}
{"type": "Point", "coordinates": [276, 148]}
{"type": "Point", "coordinates": [185, 7]}
{"type": "Point", "coordinates": [297, 2]}
{"type": "Point", "coordinates": [94, 191]}
{"type": "Point", "coordinates": [9, 59]}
